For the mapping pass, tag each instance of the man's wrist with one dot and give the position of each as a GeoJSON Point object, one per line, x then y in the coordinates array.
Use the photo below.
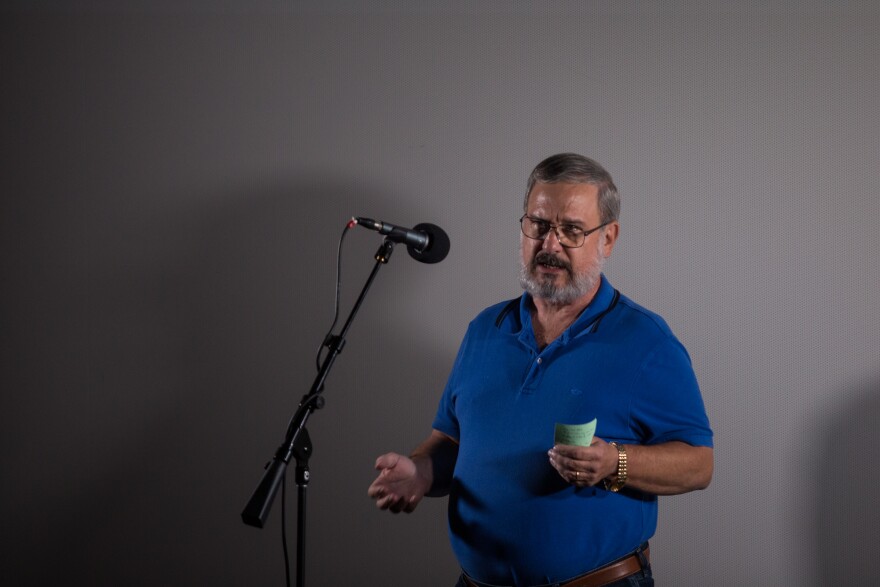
{"type": "Point", "coordinates": [617, 480]}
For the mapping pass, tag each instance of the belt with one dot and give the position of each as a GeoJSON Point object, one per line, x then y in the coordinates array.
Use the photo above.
{"type": "Point", "coordinates": [619, 569]}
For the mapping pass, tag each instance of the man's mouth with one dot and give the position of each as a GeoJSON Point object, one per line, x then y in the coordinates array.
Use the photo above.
{"type": "Point", "coordinates": [543, 259]}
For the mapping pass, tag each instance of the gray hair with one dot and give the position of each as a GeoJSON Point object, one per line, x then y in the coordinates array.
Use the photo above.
{"type": "Point", "coordinates": [574, 168]}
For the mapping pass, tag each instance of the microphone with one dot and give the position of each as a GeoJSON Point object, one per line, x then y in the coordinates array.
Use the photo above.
{"type": "Point", "coordinates": [426, 243]}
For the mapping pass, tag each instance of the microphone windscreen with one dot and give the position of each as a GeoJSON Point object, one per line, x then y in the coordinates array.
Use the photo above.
{"type": "Point", "coordinates": [438, 245]}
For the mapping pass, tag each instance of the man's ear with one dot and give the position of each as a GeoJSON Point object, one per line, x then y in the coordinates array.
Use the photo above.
{"type": "Point", "coordinates": [609, 237]}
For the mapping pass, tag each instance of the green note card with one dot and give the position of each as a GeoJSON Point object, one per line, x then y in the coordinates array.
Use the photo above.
{"type": "Point", "coordinates": [575, 434]}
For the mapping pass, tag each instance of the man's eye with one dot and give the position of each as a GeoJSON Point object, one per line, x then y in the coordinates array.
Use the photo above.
{"type": "Point", "coordinates": [570, 230]}
{"type": "Point", "coordinates": [541, 225]}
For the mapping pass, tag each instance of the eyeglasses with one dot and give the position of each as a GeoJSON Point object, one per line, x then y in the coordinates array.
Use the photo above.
{"type": "Point", "coordinates": [568, 235]}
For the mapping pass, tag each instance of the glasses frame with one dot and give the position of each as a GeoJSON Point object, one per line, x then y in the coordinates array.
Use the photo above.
{"type": "Point", "coordinates": [555, 228]}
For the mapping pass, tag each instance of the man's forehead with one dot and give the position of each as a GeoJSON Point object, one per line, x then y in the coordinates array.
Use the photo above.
{"type": "Point", "coordinates": [573, 201]}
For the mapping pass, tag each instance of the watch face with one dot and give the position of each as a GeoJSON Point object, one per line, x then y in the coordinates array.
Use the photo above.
{"type": "Point", "coordinates": [612, 486]}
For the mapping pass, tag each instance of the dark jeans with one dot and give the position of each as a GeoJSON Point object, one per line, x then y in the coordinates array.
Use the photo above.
{"type": "Point", "coordinates": [641, 579]}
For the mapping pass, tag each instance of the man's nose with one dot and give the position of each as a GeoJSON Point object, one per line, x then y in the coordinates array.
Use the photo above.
{"type": "Point", "coordinates": [551, 241]}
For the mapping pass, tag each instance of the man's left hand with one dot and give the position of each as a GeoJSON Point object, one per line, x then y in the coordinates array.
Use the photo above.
{"type": "Point", "coordinates": [584, 466]}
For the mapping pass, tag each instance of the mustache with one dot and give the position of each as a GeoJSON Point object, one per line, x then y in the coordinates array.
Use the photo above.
{"type": "Point", "coordinates": [550, 260]}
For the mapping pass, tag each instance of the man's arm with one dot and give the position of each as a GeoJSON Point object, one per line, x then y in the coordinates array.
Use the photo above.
{"type": "Point", "coordinates": [404, 481]}
{"type": "Point", "coordinates": [662, 469]}
{"type": "Point", "coordinates": [667, 469]}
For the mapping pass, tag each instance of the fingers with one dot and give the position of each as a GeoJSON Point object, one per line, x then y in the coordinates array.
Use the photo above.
{"type": "Point", "coordinates": [393, 486]}
{"type": "Point", "coordinates": [397, 503]}
{"type": "Point", "coordinates": [387, 461]}
{"type": "Point", "coordinates": [580, 452]}
{"type": "Point", "coordinates": [381, 489]}
{"type": "Point", "coordinates": [376, 489]}
{"type": "Point", "coordinates": [385, 465]}
{"type": "Point", "coordinates": [576, 465]}
{"type": "Point", "coordinates": [563, 460]}
{"type": "Point", "coordinates": [390, 502]}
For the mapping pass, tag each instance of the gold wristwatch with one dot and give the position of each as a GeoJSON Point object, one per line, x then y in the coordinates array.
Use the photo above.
{"type": "Point", "coordinates": [620, 478]}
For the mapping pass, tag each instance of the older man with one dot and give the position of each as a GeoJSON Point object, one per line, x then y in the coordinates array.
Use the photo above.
{"type": "Point", "coordinates": [523, 511]}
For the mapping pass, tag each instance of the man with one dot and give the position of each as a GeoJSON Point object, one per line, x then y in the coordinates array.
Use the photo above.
{"type": "Point", "coordinates": [571, 349]}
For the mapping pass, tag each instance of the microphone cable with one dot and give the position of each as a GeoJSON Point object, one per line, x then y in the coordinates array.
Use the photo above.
{"type": "Point", "coordinates": [348, 226]}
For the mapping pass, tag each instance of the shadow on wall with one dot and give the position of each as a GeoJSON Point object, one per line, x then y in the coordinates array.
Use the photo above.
{"type": "Point", "coordinates": [186, 342]}
{"type": "Point", "coordinates": [847, 508]}
{"type": "Point", "coordinates": [269, 274]}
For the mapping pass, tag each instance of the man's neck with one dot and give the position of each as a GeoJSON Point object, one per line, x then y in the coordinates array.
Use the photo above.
{"type": "Point", "coordinates": [549, 321]}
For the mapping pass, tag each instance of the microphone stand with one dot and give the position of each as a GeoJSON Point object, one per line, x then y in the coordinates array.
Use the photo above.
{"type": "Point", "coordinates": [297, 443]}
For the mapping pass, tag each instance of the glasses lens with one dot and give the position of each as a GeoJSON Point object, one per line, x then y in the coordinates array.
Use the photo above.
{"type": "Point", "coordinates": [569, 236]}
{"type": "Point", "coordinates": [534, 228]}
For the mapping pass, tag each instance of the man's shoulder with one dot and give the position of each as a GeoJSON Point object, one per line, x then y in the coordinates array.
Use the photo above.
{"type": "Point", "coordinates": [640, 321]}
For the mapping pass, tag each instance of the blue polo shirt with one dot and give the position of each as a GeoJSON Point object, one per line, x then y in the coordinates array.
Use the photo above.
{"type": "Point", "coordinates": [512, 519]}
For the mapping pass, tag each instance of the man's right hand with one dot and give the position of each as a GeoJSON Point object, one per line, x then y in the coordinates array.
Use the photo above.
{"type": "Point", "coordinates": [399, 486]}
{"type": "Point", "coordinates": [404, 481]}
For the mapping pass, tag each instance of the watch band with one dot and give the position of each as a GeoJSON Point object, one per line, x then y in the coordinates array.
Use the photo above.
{"type": "Point", "coordinates": [620, 478]}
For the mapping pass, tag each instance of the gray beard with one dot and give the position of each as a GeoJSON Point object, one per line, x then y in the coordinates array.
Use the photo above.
{"type": "Point", "coordinates": [578, 285]}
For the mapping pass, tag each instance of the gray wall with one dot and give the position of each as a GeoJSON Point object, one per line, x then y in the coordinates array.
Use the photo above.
{"type": "Point", "coordinates": [175, 177]}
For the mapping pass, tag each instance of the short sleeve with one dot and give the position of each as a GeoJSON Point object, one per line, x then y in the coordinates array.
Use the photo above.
{"type": "Point", "coordinates": [668, 404]}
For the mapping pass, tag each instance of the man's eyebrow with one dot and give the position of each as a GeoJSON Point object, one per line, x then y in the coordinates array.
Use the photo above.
{"type": "Point", "coordinates": [565, 221]}
{"type": "Point", "coordinates": [572, 222]}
